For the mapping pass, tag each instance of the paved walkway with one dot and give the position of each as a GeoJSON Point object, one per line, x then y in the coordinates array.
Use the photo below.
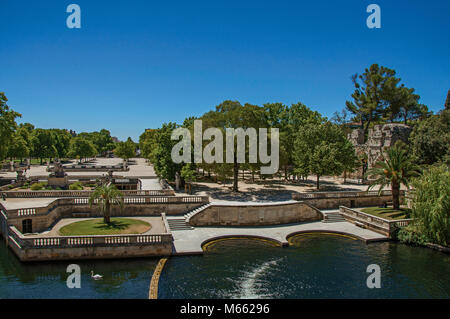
{"type": "Point", "coordinates": [17, 203]}
{"type": "Point", "coordinates": [138, 168]}
{"type": "Point", "coordinates": [150, 184]}
{"type": "Point", "coordinates": [190, 241]}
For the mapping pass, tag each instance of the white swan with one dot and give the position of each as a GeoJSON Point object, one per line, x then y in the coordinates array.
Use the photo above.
{"type": "Point", "coordinates": [95, 277]}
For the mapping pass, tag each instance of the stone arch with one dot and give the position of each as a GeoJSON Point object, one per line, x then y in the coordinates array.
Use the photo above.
{"type": "Point", "coordinates": [335, 232]}
{"type": "Point", "coordinates": [225, 237]}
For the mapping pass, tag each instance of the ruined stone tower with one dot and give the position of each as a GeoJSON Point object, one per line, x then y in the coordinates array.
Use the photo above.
{"type": "Point", "coordinates": [379, 138]}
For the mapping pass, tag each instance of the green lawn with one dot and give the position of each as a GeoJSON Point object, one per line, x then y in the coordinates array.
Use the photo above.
{"type": "Point", "coordinates": [97, 227]}
{"type": "Point", "coordinates": [387, 213]}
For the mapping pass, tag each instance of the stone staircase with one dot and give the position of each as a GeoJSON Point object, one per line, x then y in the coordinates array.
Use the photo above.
{"type": "Point", "coordinates": [195, 211]}
{"type": "Point", "coordinates": [178, 224]}
{"type": "Point", "coordinates": [333, 217]}
{"type": "Point", "coordinates": [182, 223]}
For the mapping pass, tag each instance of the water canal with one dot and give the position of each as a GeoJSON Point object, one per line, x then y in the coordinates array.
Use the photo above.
{"type": "Point", "coordinates": [314, 266]}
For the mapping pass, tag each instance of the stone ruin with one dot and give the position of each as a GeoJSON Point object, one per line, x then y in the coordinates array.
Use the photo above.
{"type": "Point", "coordinates": [379, 138]}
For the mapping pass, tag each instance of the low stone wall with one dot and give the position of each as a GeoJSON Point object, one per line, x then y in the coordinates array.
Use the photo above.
{"type": "Point", "coordinates": [255, 214]}
{"type": "Point", "coordinates": [45, 217]}
{"type": "Point", "coordinates": [333, 200]}
{"type": "Point", "coordinates": [29, 248]}
{"type": "Point", "coordinates": [377, 224]}
{"type": "Point", "coordinates": [83, 193]}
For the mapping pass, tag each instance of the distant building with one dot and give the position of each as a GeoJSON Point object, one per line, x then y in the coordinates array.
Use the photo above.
{"type": "Point", "coordinates": [115, 139]}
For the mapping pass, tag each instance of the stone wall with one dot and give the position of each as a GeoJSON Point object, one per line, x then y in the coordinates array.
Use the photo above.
{"type": "Point", "coordinates": [255, 215]}
{"type": "Point", "coordinates": [93, 252]}
{"type": "Point", "coordinates": [379, 138]}
{"type": "Point", "coordinates": [335, 203]}
{"type": "Point", "coordinates": [42, 222]}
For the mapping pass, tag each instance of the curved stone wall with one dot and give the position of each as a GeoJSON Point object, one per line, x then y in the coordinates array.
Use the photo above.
{"type": "Point", "coordinates": [255, 214]}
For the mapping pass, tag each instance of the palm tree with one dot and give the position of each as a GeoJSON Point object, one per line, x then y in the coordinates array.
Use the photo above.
{"type": "Point", "coordinates": [396, 169]}
{"type": "Point", "coordinates": [106, 195]}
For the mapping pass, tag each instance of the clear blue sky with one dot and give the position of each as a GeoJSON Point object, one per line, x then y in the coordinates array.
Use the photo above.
{"type": "Point", "coordinates": [136, 64]}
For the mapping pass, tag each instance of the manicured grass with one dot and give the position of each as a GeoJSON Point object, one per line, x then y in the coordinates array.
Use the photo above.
{"type": "Point", "coordinates": [388, 213]}
{"type": "Point", "coordinates": [97, 227]}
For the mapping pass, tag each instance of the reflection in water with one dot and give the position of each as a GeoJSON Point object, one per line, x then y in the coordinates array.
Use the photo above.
{"type": "Point", "coordinates": [314, 266]}
{"type": "Point", "coordinates": [121, 278]}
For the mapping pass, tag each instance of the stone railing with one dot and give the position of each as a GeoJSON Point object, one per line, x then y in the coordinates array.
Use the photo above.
{"type": "Point", "coordinates": [7, 187]}
{"type": "Point", "coordinates": [96, 168]}
{"type": "Point", "coordinates": [87, 241]}
{"type": "Point", "coordinates": [74, 193]}
{"type": "Point", "coordinates": [84, 201]}
{"type": "Point", "coordinates": [378, 224]}
{"type": "Point", "coordinates": [320, 195]}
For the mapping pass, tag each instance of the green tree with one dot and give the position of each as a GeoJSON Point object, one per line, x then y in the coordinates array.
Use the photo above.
{"type": "Point", "coordinates": [397, 169]}
{"type": "Point", "coordinates": [298, 115]}
{"type": "Point", "coordinates": [189, 174]}
{"type": "Point", "coordinates": [43, 144]}
{"type": "Point", "coordinates": [8, 125]}
{"type": "Point", "coordinates": [379, 96]}
{"type": "Point", "coordinates": [105, 196]}
{"type": "Point", "coordinates": [431, 204]}
{"type": "Point", "coordinates": [322, 150]}
{"type": "Point", "coordinates": [61, 139]}
{"type": "Point", "coordinates": [161, 153]}
{"type": "Point", "coordinates": [102, 140]}
{"type": "Point", "coordinates": [18, 148]}
{"type": "Point", "coordinates": [82, 148]}
{"type": "Point", "coordinates": [147, 143]}
{"type": "Point", "coordinates": [430, 139]}
{"type": "Point", "coordinates": [125, 150]}
{"type": "Point", "coordinates": [447, 101]}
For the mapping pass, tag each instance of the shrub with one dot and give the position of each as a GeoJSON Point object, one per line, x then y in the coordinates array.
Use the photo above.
{"type": "Point", "coordinates": [37, 186]}
{"type": "Point", "coordinates": [431, 204]}
{"type": "Point", "coordinates": [77, 186]}
{"type": "Point", "coordinates": [409, 235]}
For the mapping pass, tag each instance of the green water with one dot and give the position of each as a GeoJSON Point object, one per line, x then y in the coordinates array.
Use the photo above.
{"type": "Point", "coordinates": [315, 266]}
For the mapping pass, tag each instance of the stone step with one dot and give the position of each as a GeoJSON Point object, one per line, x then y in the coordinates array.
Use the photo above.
{"type": "Point", "coordinates": [333, 218]}
{"type": "Point", "coordinates": [178, 224]}
{"type": "Point", "coordinates": [196, 210]}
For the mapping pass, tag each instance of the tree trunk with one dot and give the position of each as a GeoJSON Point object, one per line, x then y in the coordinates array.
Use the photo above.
{"type": "Point", "coordinates": [395, 187]}
{"type": "Point", "coordinates": [107, 216]}
{"type": "Point", "coordinates": [317, 182]}
{"type": "Point", "coordinates": [235, 173]}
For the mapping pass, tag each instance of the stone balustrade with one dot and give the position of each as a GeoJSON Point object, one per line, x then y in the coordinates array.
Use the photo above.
{"type": "Point", "coordinates": [337, 194]}
{"type": "Point", "coordinates": [40, 211]}
{"type": "Point", "coordinates": [375, 223]}
{"type": "Point", "coordinates": [34, 242]}
{"type": "Point", "coordinates": [74, 193]}
{"type": "Point", "coordinates": [26, 212]}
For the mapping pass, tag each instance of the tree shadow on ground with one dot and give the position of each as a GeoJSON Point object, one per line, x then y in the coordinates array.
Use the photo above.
{"type": "Point", "coordinates": [263, 191]}
{"type": "Point", "coordinates": [114, 224]}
